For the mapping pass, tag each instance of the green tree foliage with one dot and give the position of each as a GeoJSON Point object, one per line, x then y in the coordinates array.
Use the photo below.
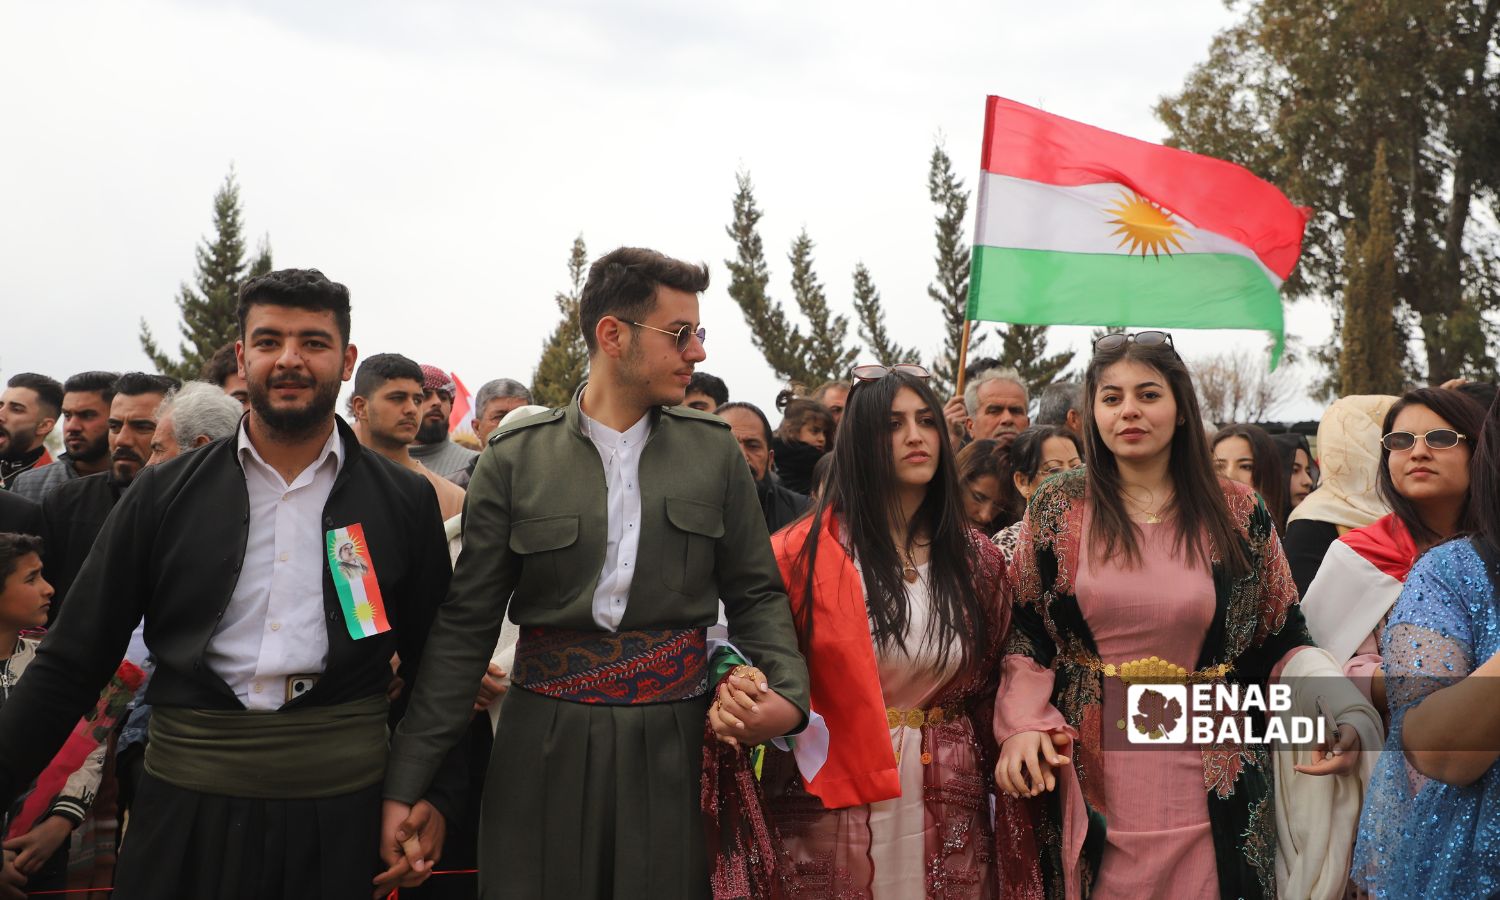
{"type": "Point", "coordinates": [208, 317]}
{"type": "Point", "coordinates": [777, 339]}
{"type": "Point", "coordinates": [1302, 91]}
{"type": "Point", "coordinates": [1370, 358]}
{"type": "Point", "coordinates": [822, 353]}
{"type": "Point", "coordinates": [871, 317]}
{"type": "Point", "coordinates": [565, 356]}
{"type": "Point", "coordinates": [1024, 348]}
{"type": "Point", "coordinates": [825, 355]}
{"type": "Point", "coordinates": [950, 291]}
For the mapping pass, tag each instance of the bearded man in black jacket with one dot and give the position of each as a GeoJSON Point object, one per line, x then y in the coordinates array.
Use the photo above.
{"type": "Point", "coordinates": [780, 505]}
{"type": "Point", "coordinates": [268, 734]}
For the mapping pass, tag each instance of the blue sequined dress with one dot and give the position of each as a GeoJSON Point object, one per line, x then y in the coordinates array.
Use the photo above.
{"type": "Point", "coordinates": [1419, 837]}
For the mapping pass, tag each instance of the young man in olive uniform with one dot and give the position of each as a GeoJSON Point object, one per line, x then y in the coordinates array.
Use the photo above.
{"type": "Point", "coordinates": [611, 528]}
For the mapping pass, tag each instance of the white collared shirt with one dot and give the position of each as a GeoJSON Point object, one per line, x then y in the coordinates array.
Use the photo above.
{"type": "Point", "coordinates": [274, 625]}
{"type": "Point", "coordinates": [621, 455]}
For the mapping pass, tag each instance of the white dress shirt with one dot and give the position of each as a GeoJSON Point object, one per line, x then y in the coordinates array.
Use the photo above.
{"type": "Point", "coordinates": [621, 455]}
{"type": "Point", "coordinates": [275, 625]}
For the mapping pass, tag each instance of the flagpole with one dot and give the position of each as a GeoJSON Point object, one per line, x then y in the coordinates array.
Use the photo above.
{"type": "Point", "coordinates": [963, 356]}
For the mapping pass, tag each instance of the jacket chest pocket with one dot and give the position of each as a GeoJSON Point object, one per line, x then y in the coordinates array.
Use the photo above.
{"type": "Point", "coordinates": [543, 546]}
{"type": "Point", "coordinates": [688, 550]}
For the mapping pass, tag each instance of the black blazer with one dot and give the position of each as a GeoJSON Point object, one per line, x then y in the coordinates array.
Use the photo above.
{"type": "Point", "coordinates": [171, 551]}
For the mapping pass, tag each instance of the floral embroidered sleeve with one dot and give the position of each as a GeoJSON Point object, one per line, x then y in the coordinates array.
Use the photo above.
{"type": "Point", "coordinates": [1024, 702]}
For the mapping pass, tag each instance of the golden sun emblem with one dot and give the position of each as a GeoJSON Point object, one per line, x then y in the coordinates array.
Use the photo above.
{"type": "Point", "coordinates": [1145, 226]}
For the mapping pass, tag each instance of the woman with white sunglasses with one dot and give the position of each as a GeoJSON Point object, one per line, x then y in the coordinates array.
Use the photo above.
{"type": "Point", "coordinates": [1425, 460]}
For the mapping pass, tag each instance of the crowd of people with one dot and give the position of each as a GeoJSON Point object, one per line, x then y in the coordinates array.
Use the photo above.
{"type": "Point", "coordinates": [648, 645]}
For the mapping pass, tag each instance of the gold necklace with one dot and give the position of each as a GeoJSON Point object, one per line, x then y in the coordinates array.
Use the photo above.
{"type": "Point", "coordinates": [1152, 518]}
{"type": "Point", "coordinates": [909, 569]}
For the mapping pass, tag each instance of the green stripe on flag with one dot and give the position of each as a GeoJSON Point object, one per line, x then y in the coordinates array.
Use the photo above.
{"type": "Point", "coordinates": [1185, 290]}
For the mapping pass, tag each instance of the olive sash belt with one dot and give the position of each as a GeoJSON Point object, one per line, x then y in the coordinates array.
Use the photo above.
{"type": "Point", "coordinates": [305, 753]}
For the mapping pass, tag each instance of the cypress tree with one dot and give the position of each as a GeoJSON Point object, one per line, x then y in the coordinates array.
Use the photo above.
{"type": "Point", "coordinates": [867, 306]}
{"type": "Point", "coordinates": [565, 356]}
{"type": "Point", "coordinates": [208, 306]}
{"type": "Point", "coordinates": [1370, 359]}
{"type": "Point", "coordinates": [825, 357]}
{"type": "Point", "coordinates": [1024, 348]}
{"type": "Point", "coordinates": [779, 341]}
{"type": "Point", "coordinates": [951, 289]}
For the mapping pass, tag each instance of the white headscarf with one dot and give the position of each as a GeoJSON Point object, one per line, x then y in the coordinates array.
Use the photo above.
{"type": "Point", "coordinates": [1349, 458]}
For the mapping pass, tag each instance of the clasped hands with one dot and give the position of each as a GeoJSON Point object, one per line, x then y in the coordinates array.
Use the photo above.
{"type": "Point", "coordinates": [1029, 761]}
{"type": "Point", "coordinates": [411, 841]}
{"type": "Point", "coordinates": [747, 712]}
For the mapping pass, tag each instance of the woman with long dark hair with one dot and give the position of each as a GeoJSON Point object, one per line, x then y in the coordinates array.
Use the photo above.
{"type": "Point", "coordinates": [1297, 465]}
{"type": "Point", "coordinates": [1245, 453]}
{"type": "Point", "coordinates": [1430, 825]}
{"type": "Point", "coordinates": [901, 608]}
{"type": "Point", "coordinates": [1426, 467]}
{"type": "Point", "coordinates": [1145, 567]}
{"type": "Point", "coordinates": [1037, 454]}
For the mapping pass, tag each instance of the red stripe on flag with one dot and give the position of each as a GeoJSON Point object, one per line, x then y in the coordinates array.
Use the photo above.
{"type": "Point", "coordinates": [462, 404]}
{"type": "Point", "coordinates": [1220, 196]}
{"type": "Point", "coordinates": [370, 581]}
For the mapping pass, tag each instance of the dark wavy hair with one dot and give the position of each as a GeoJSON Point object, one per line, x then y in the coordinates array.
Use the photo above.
{"type": "Point", "coordinates": [1203, 520]}
{"type": "Point", "coordinates": [13, 546]}
{"type": "Point", "coordinates": [861, 488]}
{"type": "Point", "coordinates": [1272, 480]}
{"type": "Point", "coordinates": [623, 282]}
{"type": "Point", "coordinates": [299, 289]}
{"type": "Point", "coordinates": [1464, 415]}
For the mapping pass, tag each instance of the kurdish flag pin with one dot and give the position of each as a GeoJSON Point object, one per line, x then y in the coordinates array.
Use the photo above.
{"type": "Point", "coordinates": [354, 579]}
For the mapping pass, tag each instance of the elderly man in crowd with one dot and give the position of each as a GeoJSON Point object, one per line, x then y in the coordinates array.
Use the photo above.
{"type": "Point", "coordinates": [996, 404]}
{"type": "Point", "coordinates": [495, 399]}
{"type": "Point", "coordinates": [195, 414]}
{"type": "Point", "coordinates": [1061, 403]}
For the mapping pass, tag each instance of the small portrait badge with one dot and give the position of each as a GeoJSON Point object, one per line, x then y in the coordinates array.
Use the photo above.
{"type": "Point", "coordinates": [354, 579]}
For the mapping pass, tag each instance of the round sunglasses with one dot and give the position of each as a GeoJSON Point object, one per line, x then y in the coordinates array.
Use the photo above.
{"type": "Point", "coordinates": [1436, 439]}
{"type": "Point", "coordinates": [683, 335]}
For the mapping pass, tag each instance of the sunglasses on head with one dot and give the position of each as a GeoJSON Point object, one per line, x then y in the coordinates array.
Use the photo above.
{"type": "Point", "coordinates": [1436, 439]}
{"type": "Point", "coordinates": [683, 335]}
{"type": "Point", "coordinates": [874, 372]}
{"type": "Point", "coordinates": [1116, 341]}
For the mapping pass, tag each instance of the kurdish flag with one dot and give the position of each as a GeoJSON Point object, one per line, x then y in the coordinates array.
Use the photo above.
{"type": "Point", "coordinates": [1081, 226]}
{"type": "Point", "coordinates": [354, 579]}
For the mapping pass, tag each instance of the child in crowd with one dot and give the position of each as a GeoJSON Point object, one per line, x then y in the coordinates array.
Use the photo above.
{"type": "Point", "coordinates": [805, 434]}
{"type": "Point", "coordinates": [36, 853]}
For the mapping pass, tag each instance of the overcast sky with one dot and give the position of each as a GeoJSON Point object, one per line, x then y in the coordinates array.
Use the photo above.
{"type": "Point", "coordinates": [439, 158]}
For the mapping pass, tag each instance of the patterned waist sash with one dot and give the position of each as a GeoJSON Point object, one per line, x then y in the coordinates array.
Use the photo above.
{"type": "Point", "coordinates": [623, 668]}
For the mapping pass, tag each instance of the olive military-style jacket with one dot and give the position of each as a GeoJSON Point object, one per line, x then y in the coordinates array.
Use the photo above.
{"type": "Point", "coordinates": [535, 528]}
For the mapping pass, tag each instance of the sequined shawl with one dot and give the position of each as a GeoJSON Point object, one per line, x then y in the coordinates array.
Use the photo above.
{"type": "Point", "coordinates": [1256, 622]}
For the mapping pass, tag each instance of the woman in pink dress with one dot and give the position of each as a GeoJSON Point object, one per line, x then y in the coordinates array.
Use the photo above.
{"type": "Point", "coordinates": [1144, 563]}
